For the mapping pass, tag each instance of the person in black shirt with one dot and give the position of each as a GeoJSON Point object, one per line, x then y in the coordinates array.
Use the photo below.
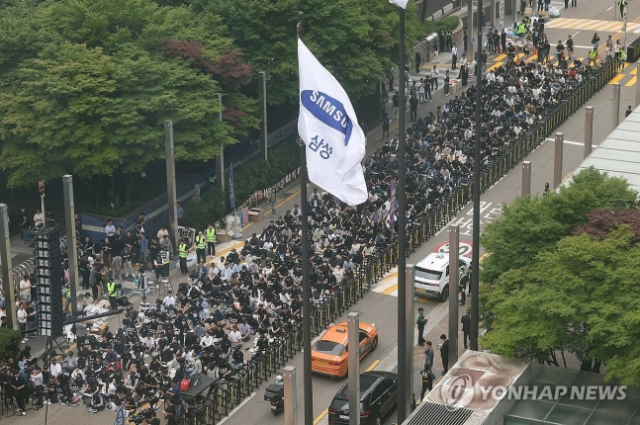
{"type": "Point", "coordinates": [19, 386]}
{"type": "Point", "coordinates": [444, 353]}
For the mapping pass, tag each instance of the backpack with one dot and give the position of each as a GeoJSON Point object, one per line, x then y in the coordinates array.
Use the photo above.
{"type": "Point", "coordinates": [185, 385]}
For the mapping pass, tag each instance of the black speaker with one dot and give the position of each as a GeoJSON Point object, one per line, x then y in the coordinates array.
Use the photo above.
{"type": "Point", "coordinates": [49, 276]}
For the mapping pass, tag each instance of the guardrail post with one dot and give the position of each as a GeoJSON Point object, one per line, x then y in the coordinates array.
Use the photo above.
{"type": "Point", "coordinates": [588, 130]}
{"type": "Point", "coordinates": [616, 105]}
{"type": "Point", "coordinates": [557, 160]}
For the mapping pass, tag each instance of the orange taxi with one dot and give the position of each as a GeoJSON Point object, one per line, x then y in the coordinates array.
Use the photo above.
{"type": "Point", "coordinates": [329, 355]}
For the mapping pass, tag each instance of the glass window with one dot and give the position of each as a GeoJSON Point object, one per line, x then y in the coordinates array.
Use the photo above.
{"type": "Point", "coordinates": [329, 347]}
{"type": "Point", "coordinates": [428, 274]}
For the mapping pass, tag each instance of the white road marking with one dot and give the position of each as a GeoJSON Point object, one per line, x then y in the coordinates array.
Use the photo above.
{"type": "Point", "coordinates": [238, 407]}
{"type": "Point", "coordinates": [609, 8]}
{"type": "Point", "coordinates": [568, 142]}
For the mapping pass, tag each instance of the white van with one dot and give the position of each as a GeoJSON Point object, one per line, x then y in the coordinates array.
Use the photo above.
{"type": "Point", "coordinates": [432, 275]}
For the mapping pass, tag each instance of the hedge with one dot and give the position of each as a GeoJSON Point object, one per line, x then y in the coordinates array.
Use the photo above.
{"type": "Point", "coordinates": [255, 175]}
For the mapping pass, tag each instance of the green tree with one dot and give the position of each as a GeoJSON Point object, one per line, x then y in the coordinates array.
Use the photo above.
{"type": "Point", "coordinates": [10, 345]}
{"type": "Point", "coordinates": [580, 297]}
{"type": "Point", "coordinates": [355, 40]}
{"type": "Point", "coordinates": [90, 98]}
{"type": "Point", "coordinates": [530, 225]}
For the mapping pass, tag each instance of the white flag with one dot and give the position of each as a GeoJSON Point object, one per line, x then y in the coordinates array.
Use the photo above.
{"type": "Point", "coordinates": [335, 143]}
{"type": "Point", "coordinates": [401, 3]}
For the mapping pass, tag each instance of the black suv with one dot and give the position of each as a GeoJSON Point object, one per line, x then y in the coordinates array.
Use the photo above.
{"type": "Point", "coordinates": [378, 396]}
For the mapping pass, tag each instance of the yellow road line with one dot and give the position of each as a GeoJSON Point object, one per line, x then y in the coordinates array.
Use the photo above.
{"type": "Point", "coordinates": [634, 71]}
{"type": "Point", "coordinates": [390, 290]}
{"type": "Point", "coordinates": [495, 66]}
{"type": "Point", "coordinates": [632, 81]}
{"type": "Point", "coordinates": [617, 78]}
{"type": "Point", "coordinates": [375, 363]}
{"type": "Point", "coordinates": [500, 57]}
{"type": "Point", "coordinates": [566, 177]}
{"type": "Point", "coordinates": [322, 415]}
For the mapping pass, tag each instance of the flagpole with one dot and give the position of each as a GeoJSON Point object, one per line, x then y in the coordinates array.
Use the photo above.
{"type": "Point", "coordinates": [306, 298]}
{"type": "Point", "coordinates": [477, 169]}
{"type": "Point", "coordinates": [404, 368]}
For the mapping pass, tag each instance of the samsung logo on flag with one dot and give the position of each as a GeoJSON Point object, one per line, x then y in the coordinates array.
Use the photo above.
{"type": "Point", "coordinates": [328, 110]}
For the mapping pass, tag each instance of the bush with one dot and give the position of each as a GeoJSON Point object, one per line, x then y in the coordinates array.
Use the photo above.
{"type": "Point", "coordinates": [450, 22]}
{"type": "Point", "coordinates": [257, 174]}
{"type": "Point", "coordinates": [9, 344]}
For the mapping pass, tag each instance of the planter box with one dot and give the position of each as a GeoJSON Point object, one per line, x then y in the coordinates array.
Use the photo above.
{"type": "Point", "coordinates": [256, 214]}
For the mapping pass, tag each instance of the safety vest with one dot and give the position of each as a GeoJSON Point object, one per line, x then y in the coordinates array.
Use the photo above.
{"type": "Point", "coordinates": [68, 292]}
{"type": "Point", "coordinates": [522, 29]}
{"type": "Point", "coordinates": [111, 288]}
{"type": "Point", "coordinates": [593, 54]}
{"type": "Point", "coordinates": [623, 3]}
{"type": "Point", "coordinates": [623, 55]}
{"type": "Point", "coordinates": [165, 257]}
{"type": "Point", "coordinates": [183, 250]}
{"type": "Point", "coordinates": [200, 242]}
{"type": "Point", "coordinates": [211, 235]}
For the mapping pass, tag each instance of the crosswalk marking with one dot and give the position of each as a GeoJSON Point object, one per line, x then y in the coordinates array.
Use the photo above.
{"type": "Point", "coordinates": [500, 57]}
{"type": "Point", "coordinates": [634, 71]}
{"type": "Point", "coordinates": [632, 81]}
{"type": "Point", "coordinates": [495, 66]}
{"type": "Point", "coordinates": [591, 24]}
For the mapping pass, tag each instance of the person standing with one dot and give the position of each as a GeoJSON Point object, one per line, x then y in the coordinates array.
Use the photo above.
{"type": "Point", "coordinates": [183, 253]}
{"type": "Point", "coordinates": [30, 309]}
{"type": "Point", "coordinates": [446, 83]}
{"type": "Point", "coordinates": [628, 111]}
{"type": "Point", "coordinates": [396, 104]}
{"type": "Point", "coordinates": [211, 240]}
{"type": "Point", "coordinates": [427, 89]}
{"type": "Point", "coordinates": [434, 77]}
{"type": "Point", "coordinates": [25, 289]}
{"type": "Point", "coordinates": [454, 57]}
{"type": "Point", "coordinates": [126, 261]}
{"type": "Point", "coordinates": [113, 292]}
{"type": "Point", "coordinates": [596, 40]}
{"type": "Point", "coordinates": [413, 105]}
{"type": "Point", "coordinates": [421, 91]}
{"type": "Point", "coordinates": [569, 44]}
{"type": "Point", "coordinates": [444, 353]}
{"type": "Point", "coordinates": [25, 225]}
{"type": "Point", "coordinates": [418, 60]}
{"type": "Point", "coordinates": [436, 57]}
{"type": "Point", "coordinates": [465, 33]}
{"type": "Point", "coordinates": [466, 328]}
{"type": "Point", "coordinates": [421, 321]}
{"type": "Point", "coordinates": [448, 34]}
{"type": "Point", "coordinates": [385, 127]}
{"type": "Point", "coordinates": [427, 382]}
{"type": "Point", "coordinates": [201, 247]}
{"type": "Point", "coordinates": [623, 8]}
{"type": "Point", "coordinates": [21, 391]}
{"type": "Point", "coordinates": [574, 3]}
{"type": "Point", "coordinates": [273, 198]}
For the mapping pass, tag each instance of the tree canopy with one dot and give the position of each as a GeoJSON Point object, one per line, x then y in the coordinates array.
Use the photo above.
{"type": "Point", "coordinates": [581, 298]}
{"type": "Point", "coordinates": [353, 39]}
{"type": "Point", "coordinates": [563, 276]}
{"type": "Point", "coordinates": [86, 85]}
{"type": "Point", "coordinates": [530, 225]}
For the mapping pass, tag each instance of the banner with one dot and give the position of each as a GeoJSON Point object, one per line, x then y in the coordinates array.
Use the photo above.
{"type": "Point", "coordinates": [392, 201]}
{"type": "Point", "coordinates": [335, 143]}
{"type": "Point", "coordinates": [120, 417]}
{"type": "Point", "coordinates": [232, 195]}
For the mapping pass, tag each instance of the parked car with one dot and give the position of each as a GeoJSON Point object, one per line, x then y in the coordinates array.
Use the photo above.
{"type": "Point", "coordinates": [378, 396]}
{"type": "Point", "coordinates": [329, 356]}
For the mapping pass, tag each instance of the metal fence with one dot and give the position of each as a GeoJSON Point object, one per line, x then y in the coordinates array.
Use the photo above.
{"type": "Point", "coordinates": [225, 395]}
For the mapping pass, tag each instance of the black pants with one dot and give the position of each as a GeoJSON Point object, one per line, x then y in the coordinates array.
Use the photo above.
{"type": "Point", "coordinates": [183, 265]}
{"type": "Point", "coordinates": [417, 67]}
{"type": "Point", "coordinates": [94, 290]}
{"type": "Point", "coordinates": [426, 385]}
{"type": "Point", "coordinates": [21, 398]}
{"type": "Point", "coordinates": [466, 338]}
{"type": "Point", "coordinates": [414, 114]}
{"type": "Point", "coordinates": [454, 61]}
{"type": "Point", "coordinates": [420, 334]}
{"type": "Point", "coordinates": [211, 246]}
{"type": "Point", "coordinates": [114, 303]}
{"type": "Point", "coordinates": [427, 92]}
{"type": "Point", "coordinates": [201, 254]}
{"type": "Point", "coordinates": [445, 365]}
{"type": "Point", "coordinates": [39, 394]}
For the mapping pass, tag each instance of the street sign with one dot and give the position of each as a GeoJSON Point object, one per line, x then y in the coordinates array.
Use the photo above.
{"type": "Point", "coordinates": [465, 248]}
